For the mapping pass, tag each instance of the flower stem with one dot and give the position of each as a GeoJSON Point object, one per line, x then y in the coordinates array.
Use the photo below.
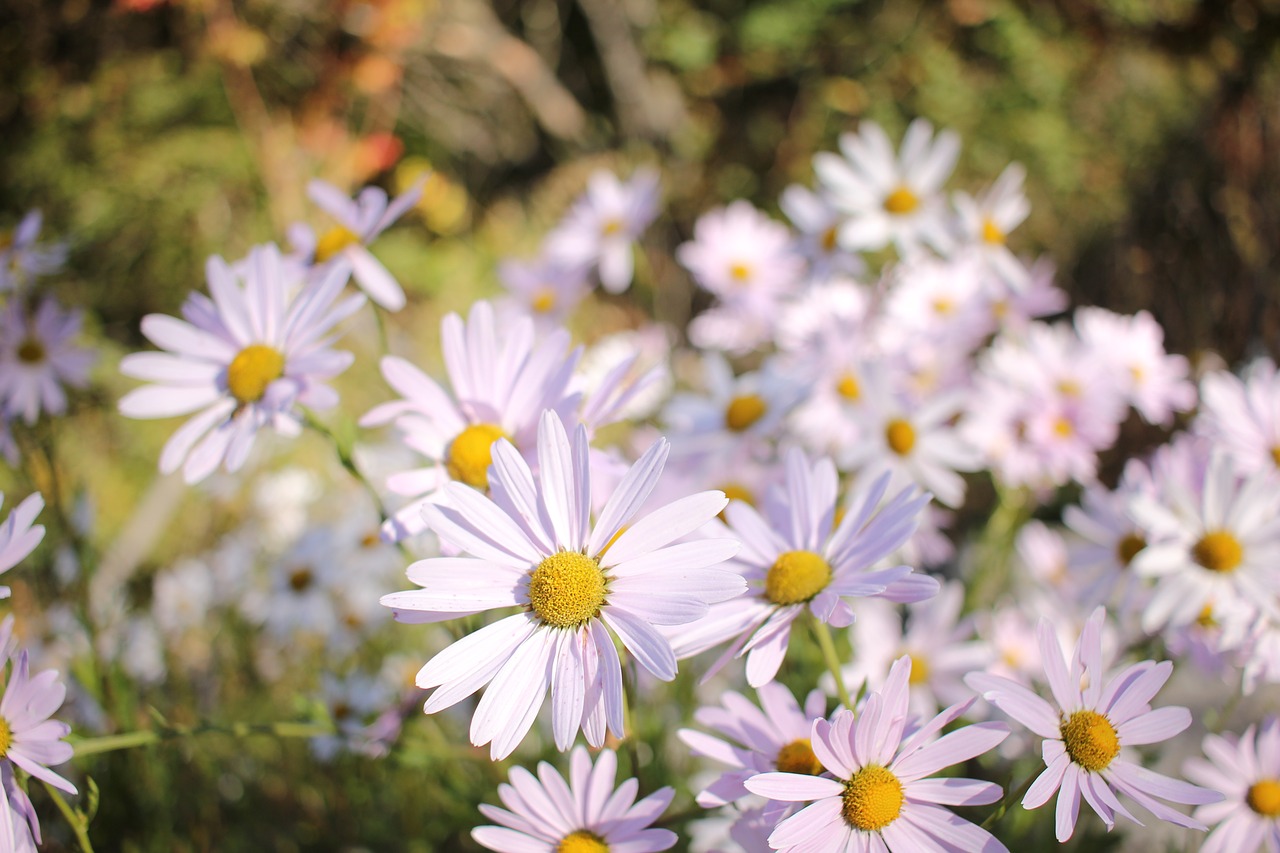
{"type": "Point", "coordinates": [823, 635]}
{"type": "Point", "coordinates": [1013, 796]}
{"type": "Point", "coordinates": [75, 819]}
{"type": "Point", "coordinates": [149, 737]}
{"type": "Point", "coordinates": [989, 572]}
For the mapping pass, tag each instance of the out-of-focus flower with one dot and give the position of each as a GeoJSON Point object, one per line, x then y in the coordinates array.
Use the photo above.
{"type": "Point", "coordinates": [818, 222]}
{"type": "Point", "coordinates": [534, 547]}
{"type": "Point", "coordinates": [1087, 727]}
{"type": "Point", "coordinates": [247, 359]}
{"type": "Point", "coordinates": [986, 222]}
{"type": "Point", "coordinates": [1242, 414]}
{"type": "Point", "coordinates": [38, 357]}
{"type": "Point", "coordinates": [18, 536]}
{"type": "Point", "coordinates": [1246, 770]}
{"type": "Point", "coordinates": [543, 289]}
{"type": "Point", "coordinates": [1151, 380]}
{"type": "Point", "coordinates": [587, 814]}
{"type": "Point", "coordinates": [883, 795]}
{"type": "Point", "coordinates": [22, 259]}
{"type": "Point", "coordinates": [603, 224]}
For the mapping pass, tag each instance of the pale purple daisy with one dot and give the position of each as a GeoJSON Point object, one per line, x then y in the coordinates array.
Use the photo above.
{"type": "Point", "coordinates": [1247, 772]}
{"type": "Point", "coordinates": [1243, 414]}
{"type": "Point", "coordinates": [796, 558]}
{"type": "Point", "coordinates": [22, 259]}
{"type": "Point", "coordinates": [818, 222]}
{"type": "Point", "coordinates": [545, 289]}
{"type": "Point", "coordinates": [28, 738]}
{"type": "Point", "coordinates": [38, 357]}
{"type": "Point", "coordinates": [883, 796]}
{"type": "Point", "coordinates": [890, 198]}
{"type": "Point", "coordinates": [1152, 381]}
{"type": "Point", "coordinates": [601, 227]}
{"type": "Point", "coordinates": [587, 814]}
{"type": "Point", "coordinates": [18, 536]}
{"type": "Point", "coordinates": [534, 548]}
{"type": "Point", "coordinates": [755, 739]}
{"type": "Point", "coordinates": [246, 359]}
{"type": "Point", "coordinates": [360, 221]}
{"type": "Point", "coordinates": [19, 824]}
{"type": "Point", "coordinates": [1086, 729]}
{"type": "Point", "coordinates": [985, 223]}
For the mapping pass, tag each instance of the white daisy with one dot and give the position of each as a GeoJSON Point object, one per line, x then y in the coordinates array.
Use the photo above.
{"type": "Point", "coordinates": [1242, 414]}
{"type": "Point", "coordinates": [603, 225]}
{"type": "Point", "coordinates": [986, 222]}
{"type": "Point", "coordinates": [1247, 771]}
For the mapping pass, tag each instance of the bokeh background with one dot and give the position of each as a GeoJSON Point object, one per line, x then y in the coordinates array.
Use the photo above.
{"type": "Point", "coordinates": [153, 134]}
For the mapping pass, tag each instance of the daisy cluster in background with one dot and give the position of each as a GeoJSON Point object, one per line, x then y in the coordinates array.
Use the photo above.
{"type": "Point", "coordinates": [856, 559]}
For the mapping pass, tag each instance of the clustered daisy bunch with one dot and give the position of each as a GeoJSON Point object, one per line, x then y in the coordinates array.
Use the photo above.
{"type": "Point", "coordinates": [742, 573]}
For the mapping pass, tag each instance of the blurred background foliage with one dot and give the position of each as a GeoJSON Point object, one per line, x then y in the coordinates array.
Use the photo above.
{"type": "Point", "coordinates": [153, 134]}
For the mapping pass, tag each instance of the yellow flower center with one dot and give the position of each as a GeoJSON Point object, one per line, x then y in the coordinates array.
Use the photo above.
{"type": "Point", "coordinates": [738, 492]}
{"type": "Point", "coordinates": [739, 272]}
{"type": "Point", "coordinates": [252, 370]}
{"type": "Point", "coordinates": [31, 351]}
{"type": "Point", "coordinates": [1264, 797]}
{"type": "Point", "coordinates": [300, 579]}
{"type": "Point", "coordinates": [544, 300]}
{"type": "Point", "coordinates": [1062, 428]}
{"type": "Point", "coordinates": [334, 241]}
{"type": "Point", "coordinates": [919, 671]}
{"type": "Point", "coordinates": [1218, 551]}
{"type": "Point", "coordinates": [470, 453]}
{"type": "Point", "coordinates": [828, 239]}
{"type": "Point", "coordinates": [1090, 740]}
{"type": "Point", "coordinates": [901, 201]}
{"type": "Point", "coordinates": [991, 233]}
{"type": "Point", "coordinates": [6, 737]}
{"type": "Point", "coordinates": [1129, 547]}
{"type": "Point", "coordinates": [567, 589]}
{"type": "Point", "coordinates": [872, 799]}
{"type": "Point", "coordinates": [798, 757]}
{"type": "Point", "coordinates": [582, 841]}
{"type": "Point", "coordinates": [611, 227]}
{"type": "Point", "coordinates": [943, 307]}
{"type": "Point", "coordinates": [1205, 618]}
{"type": "Point", "coordinates": [900, 435]}
{"type": "Point", "coordinates": [848, 387]}
{"type": "Point", "coordinates": [796, 576]}
{"type": "Point", "coordinates": [743, 411]}
{"type": "Point", "coordinates": [1275, 455]}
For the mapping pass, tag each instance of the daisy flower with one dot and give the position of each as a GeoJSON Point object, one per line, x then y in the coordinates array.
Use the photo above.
{"type": "Point", "coordinates": [986, 221]}
{"type": "Point", "coordinates": [796, 558]}
{"type": "Point", "coordinates": [22, 259]}
{"type": "Point", "coordinates": [37, 358]}
{"type": "Point", "coordinates": [881, 794]}
{"type": "Point", "coordinates": [818, 222]}
{"type": "Point", "coordinates": [20, 826]}
{"type": "Point", "coordinates": [245, 359]}
{"type": "Point", "coordinates": [29, 740]}
{"type": "Point", "coordinates": [18, 536]}
{"type": "Point", "coordinates": [755, 739]}
{"type": "Point", "coordinates": [1151, 380]}
{"type": "Point", "coordinates": [360, 221]}
{"type": "Point", "coordinates": [602, 226]}
{"type": "Point", "coordinates": [588, 814]}
{"type": "Point", "coordinates": [544, 289]}
{"type": "Point", "coordinates": [1243, 415]}
{"type": "Point", "coordinates": [1247, 772]}
{"type": "Point", "coordinates": [887, 198]}
{"type": "Point", "coordinates": [534, 548]}
{"type": "Point", "coordinates": [1086, 730]}
{"type": "Point", "coordinates": [501, 381]}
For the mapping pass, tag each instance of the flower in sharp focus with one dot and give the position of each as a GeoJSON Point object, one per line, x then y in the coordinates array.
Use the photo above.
{"type": "Point", "coordinates": [887, 198]}
{"type": "Point", "coordinates": [796, 558]}
{"type": "Point", "coordinates": [1247, 772]}
{"type": "Point", "coordinates": [586, 814]}
{"type": "Point", "coordinates": [772, 736]}
{"type": "Point", "coordinates": [534, 547]}
{"type": "Point", "coordinates": [29, 740]}
{"type": "Point", "coordinates": [360, 220]}
{"type": "Point", "coordinates": [245, 359]}
{"type": "Point", "coordinates": [1086, 729]}
{"type": "Point", "coordinates": [18, 536]}
{"type": "Point", "coordinates": [37, 358]}
{"type": "Point", "coordinates": [600, 228]}
{"type": "Point", "coordinates": [882, 796]}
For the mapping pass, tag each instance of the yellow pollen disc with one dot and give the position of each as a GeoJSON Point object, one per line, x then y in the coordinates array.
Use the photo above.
{"type": "Point", "coordinates": [795, 577]}
{"type": "Point", "coordinates": [900, 435]}
{"type": "Point", "coordinates": [1129, 547]}
{"type": "Point", "coordinates": [470, 453]}
{"type": "Point", "coordinates": [1205, 619]}
{"type": "Point", "coordinates": [611, 227]}
{"type": "Point", "coordinates": [1264, 797]}
{"type": "Point", "coordinates": [252, 370]}
{"type": "Point", "coordinates": [798, 757]}
{"type": "Point", "coordinates": [1135, 373]}
{"type": "Point", "coordinates": [1090, 740]}
{"type": "Point", "coordinates": [334, 241]}
{"type": "Point", "coordinates": [828, 240]}
{"type": "Point", "coordinates": [872, 799]}
{"type": "Point", "coordinates": [1063, 428]}
{"type": "Point", "coordinates": [544, 301]}
{"type": "Point", "coordinates": [31, 351]}
{"type": "Point", "coordinates": [1000, 308]}
{"type": "Point", "coordinates": [743, 411]}
{"type": "Point", "coordinates": [739, 272]}
{"type": "Point", "coordinates": [943, 307]}
{"type": "Point", "coordinates": [738, 492]}
{"type": "Point", "coordinates": [300, 579]}
{"type": "Point", "coordinates": [1275, 455]}
{"type": "Point", "coordinates": [582, 841]}
{"type": "Point", "coordinates": [991, 233]}
{"type": "Point", "coordinates": [1070, 388]}
{"type": "Point", "coordinates": [567, 589]}
{"type": "Point", "coordinates": [370, 539]}
{"type": "Point", "coordinates": [919, 671]}
{"type": "Point", "coordinates": [1218, 551]}
{"type": "Point", "coordinates": [848, 387]}
{"type": "Point", "coordinates": [6, 737]}
{"type": "Point", "coordinates": [901, 201]}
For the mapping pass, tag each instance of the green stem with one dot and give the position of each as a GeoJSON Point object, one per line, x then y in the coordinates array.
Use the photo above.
{"type": "Point", "coordinates": [149, 737]}
{"type": "Point", "coordinates": [77, 822]}
{"type": "Point", "coordinates": [823, 635]}
{"type": "Point", "coordinates": [1013, 796]}
{"type": "Point", "coordinates": [990, 571]}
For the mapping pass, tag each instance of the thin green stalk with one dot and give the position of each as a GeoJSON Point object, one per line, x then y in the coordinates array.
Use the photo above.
{"type": "Point", "coordinates": [149, 737]}
{"type": "Point", "coordinates": [990, 569]}
{"type": "Point", "coordinates": [823, 635]}
{"type": "Point", "coordinates": [76, 820]}
{"type": "Point", "coordinates": [1012, 797]}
